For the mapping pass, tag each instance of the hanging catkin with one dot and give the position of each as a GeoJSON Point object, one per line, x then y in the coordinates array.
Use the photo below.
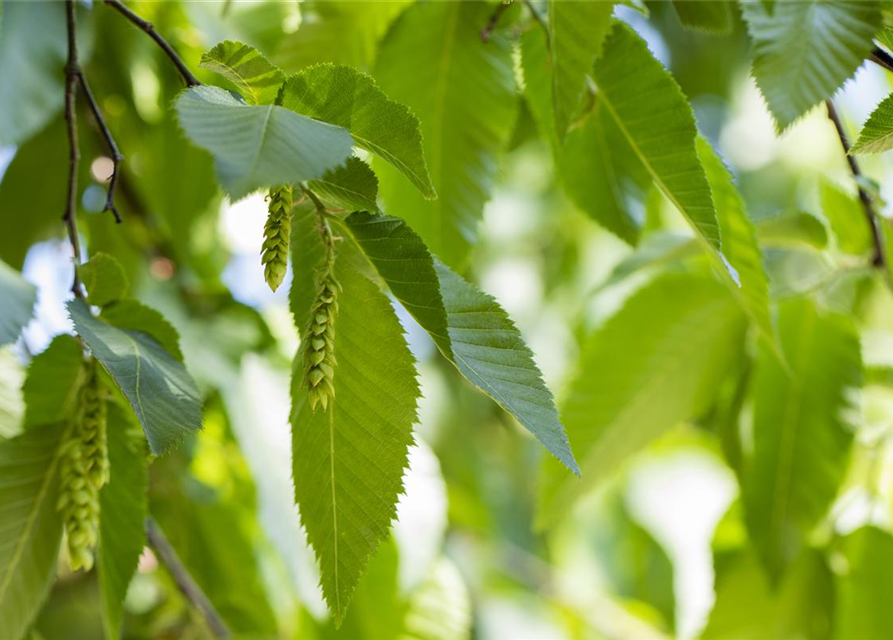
{"type": "Point", "coordinates": [84, 469]}
{"type": "Point", "coordinates": [274, 254]}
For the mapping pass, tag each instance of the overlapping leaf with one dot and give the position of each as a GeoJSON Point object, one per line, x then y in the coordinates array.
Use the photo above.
{"type": "Point", "coordinates": [348, 461]}
{"type": "Point", "coordinates": [804, 51]}
{"type": "Point", "coordinates": [257, 79]}
{"type": "Point", "coordinates": [259, 146]}
{"type": "Point", "coordinates": [104, 279]}
{"type": "Point", "coordinates": [636, 378]}
{"type": "Point", "coordinates": [877, 132]}
{"type": "Point", "coordinates": [19, 297]}
{"type": "Point", "coordinates": [31, 529]}
{"type": "Point", "coordinates": [345, 97]}
{"type": "Point", "coordinates": [161, 392]}
{"type": "Point", "coordinates": [463, 92]}
{"type": "Point", "coordinates": [352, 187]}
{"type": "Point", "coordinates": [802, 429]}
{"type": "Point", "coordinates": [468, 326]}
{"type": "Point", "coordinates": [53, 381]}
{"type": "Point", "coordinates": [713, 16]}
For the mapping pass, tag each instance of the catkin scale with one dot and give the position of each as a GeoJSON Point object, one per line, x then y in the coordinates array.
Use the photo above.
{"type": "Point", "coordinates": [84, 469]}
{"type": "Point", "coordinates": [319, 343]}
{"type": "Point", "coordinates": [274, 253]}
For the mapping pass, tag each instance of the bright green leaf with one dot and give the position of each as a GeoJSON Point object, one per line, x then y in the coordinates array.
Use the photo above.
{"type": "Point", "coordinates": [847, 219]}
{"type": "Point", "coordinates": [104, 278]}
{"type": "Point", "coordinates": [19, 297]}
{"type": "Point", "coordinates": [259, 146]}
{"type": "Point", "coordinates": [804, 51]}
{"type": "Point", "coordinates": [12, 404]}
{"type": "Point", "coordinates": [862, 604]}
{"type": "Point", "coordinates": [792, 227]}
{"type": "Point", "coordinates": [712, 16]}
{"type": "Point", "coordinates": [352, 187]}
{"type": "Point", "coordinates": [161, 392]}
{"type": "Point", "coordinates": [32, 528]}
{"type": "Point", "coordinates": [877, 132]}
{"type": "Point", "coordinates": [802, 429]}
{"type": "Point", "coordinates": [463, 92]}
{"type": "Point", "coordinates": [53, 382]}
{"type": "Point", "coordinates": [256, 78]}
{"type": "Point", "coordinates": [347, 98]}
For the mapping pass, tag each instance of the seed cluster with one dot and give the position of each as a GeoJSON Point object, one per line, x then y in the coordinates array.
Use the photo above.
{"type": "Point", "coordinates": [274, 254]}
{"type": "Point", "coordinates": [84, 468]}
{"type": "Point", "coordinates": [319, 344]}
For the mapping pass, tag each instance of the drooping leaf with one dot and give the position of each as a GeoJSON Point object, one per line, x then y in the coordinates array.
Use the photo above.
{"type": "Point", "coordinates": [636, 378]}
{"type": "Point", "coordinates": [576, 33]}
{"type": "Point", "coordinates": [804, 51]}
{"type": "Point", "coordinates": [18, 296]}
{"type": "Point", "coordinates": [104, 278]}
{"type": "Point", "coordinates": [349, 460]}
{"type": "Point", "coordinates": [468, 326]}
{"type": "Point", "coordinates": [161, 392]}
{"type": "Point", "coordinates": [714, 16]}
{"type": "Point", "coordinates": [123, 508]}
{"type": "Point", "coordinates": [345, 97]}
{"type": "Point", "coordinates": [657, 121]}
{"type": "Point", "coordinates": [847, 219]}
{"type": "Point", "coordinates": [862, 609]}
{"type": "Point", "coordinates": [257, 79]}
{"type": "Point", "coordinates": [32, 528]}
{"type": "Point", "coordinates": [877, 132]}
{"type": "Point", "coordinates": [463, 92]}
{"type": "Point", "coordinates": [54, 378]}
{"type": "Point", "coordinates": [802, 429]}
{"type": "Point", "coordinates": [259, 146]}
{"type": "Point", "coordinates": [352, 187]}
{"type": "Point", "coordinates": [739, 242]}
{"type": "Point", "coordinates": [135, 316]}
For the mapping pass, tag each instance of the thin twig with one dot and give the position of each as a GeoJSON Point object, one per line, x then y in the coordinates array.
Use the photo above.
{"type": "Point", "coordinates": [72, 72]}
{"type": "Point", "coordinates": [882, 58]}
{"type": "Point", "coordinates": [117, 158]}
{"type": "Point", "coordinates": [149, 29]}
{"type": "Point", "coordinates": [190, 589]}
{"type": "Point", "coordinates": [490, 27]}
{"type": "Point", "coordinates": [864, 197]}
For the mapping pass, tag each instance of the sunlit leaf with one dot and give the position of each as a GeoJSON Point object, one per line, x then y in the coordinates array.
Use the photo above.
{"type": "Point", "coordinates": [257, 79]}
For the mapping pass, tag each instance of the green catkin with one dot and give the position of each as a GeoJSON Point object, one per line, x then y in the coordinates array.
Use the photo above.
{"type": "Point", "coordinates": [274, 254]}
{"type": "Point", "coordinates": [319, 342]}
{"type": "Point", "coordinates": [84, 468]}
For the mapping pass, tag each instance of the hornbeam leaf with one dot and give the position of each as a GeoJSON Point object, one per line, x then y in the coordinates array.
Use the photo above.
{"type": "Point", "coordinates": [246, 67]}
{"type": "Point", "coordinates": [161, 392]}
{"type": "Point", "coordinates": [104, 278]}
{"type": "Point", "coordinates": [259, 146]}
{"type": "Point", "coordinates": [802, 429]}
{"type": "Point", "coordinates": [135, 316]}
{"type": "Point", "coordinates": [877, 132]}
{"type": "Point", "coordinates": [463, 92]}
{"type": "Point", "coordinates": [577, 31]}
{"type": "Point", "coordinates": [123, 508]}
{"type": "Point", "coordinates": [352, 187]}
{"type": "Point", "coordinates": [805, 50]}
{"type": "Point", "coordinates": [54, 379]}
{"type": "Point", "coordinates": [349, 460]}
{"type": "Point", "coordinates": [862, 609]}
{"type": "Point", "coordinates": [846, 216]}
{"type": "Point", "coordinates": [659, 374]}
{"type": "Point", "coordinates": [714, 16]}
{"type": "Point", "coordinates": [468, 326]}
{"type": "Point", "coordinates": [31, 527]}
{"type": "Point", "coordinates": [345, 97]}
{"type": "Point", "coordinates": [650, 109]}
{"type": "Point", "coordinates": [19, 297]}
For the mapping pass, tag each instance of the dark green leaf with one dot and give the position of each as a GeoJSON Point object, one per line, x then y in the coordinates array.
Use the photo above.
{"type": "Point", "coordinates": [352, 187]}
{"type": "Point", "coordinates": [104, 278]}
{"type": "Point", "coordinates": [54, 379]}
{"type": "Point", "coordinates": [135, 316]}
{"type": "Point", "coordinates": [712, 16]}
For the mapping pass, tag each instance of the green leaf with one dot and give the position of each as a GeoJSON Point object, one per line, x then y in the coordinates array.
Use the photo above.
{"type": "Point", "coordinates": [577, 31]}
{"type": "Point", "coordinates": [847, 219]}
{"type": "Point", "coordinates": [123, 509]}
{"type": "Point", "coordinates": [713, 16]}
{"type": "Point", "coordinates": [862, 603]}
{"type": "Point", "coordinates": [32, 528]}
{"type": "Point", "coordinates": [739, 243]}
{"type": "Point", "coordinates": [349, 460]}
{"type": "Point", "coordinates": [161, 392]}
{"type": "Point", "coordinates": [657, 121]}
{"type": "Point", "coordinates": [792, 228]}
{"type": "Point", "coordinates": [468, 326]}
{"type": "Point", "coordinates": [802, 429]}
{"type": "Point", "coordinates": [54, 379]}
{"type": "Point", "coordinates": [257, 79]}
{"type": "Point", "coordinates": [352, 187]}
{"type": "Point", "coordinates": [463, 92]}
{"type": "Point", "coordinates": [12, 405]}
{"type": "Point", "coordinates": [347, 98]}
{"type": "Point", "coordinates": [637, 378]}
{"type": "Point", "coordinates": [135, 316]}
{"type": "Point", "coordinates": [18, 296]}
{"type": "Point", "coordinates": [804, 51]}
{"type": "Point", "coordinates": [259, 146]}
{"type": "Point", "coordinates": [104, 278]}
{"type": "Point", "coordinates": [440, 609]}
{"type": "Point", "coordinates": [877, 132]}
